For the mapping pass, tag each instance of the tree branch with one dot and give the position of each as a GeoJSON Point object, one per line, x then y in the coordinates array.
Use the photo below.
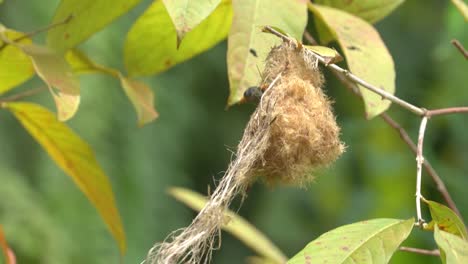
{"type": "Point", "coordinates": [446, 111]}
{"type": "Point", "coordinates": [419, 162]}
{"type": "Point", "coordinates": [35, 32]}
{"type": "Point", "coordinates": [460, 48]}
{"type": "Point", "coordinates": [440, 185]}
{"type": "Point", "coordinates": [354, 78]}
{"type": "Point", "coordinates": [22, 95]}
{"type": "Point", "coordinates": [434, 252]}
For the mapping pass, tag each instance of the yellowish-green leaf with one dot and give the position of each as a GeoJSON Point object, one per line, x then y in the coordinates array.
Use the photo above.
{"type": "Point", "coordinates": [15, 66]}
{"type": "Point", "coordinates": [367, 242]}
{"type": "Point", "coordinates": [8, 254]}
{"type": "Point", "coordinates": [188, 14]}
{"type": "Point", "coordinates": [237, 226]}
{"type": "Point", "coordinates": [57, 74]}
{"type": "Point", "coordinates": [142, 98]}
{"type": "Point", "coordinates": [462, 7]}
{"type": "Point", "coordinates": [87, 17]}
{"type": "Point", "coordinates": [453, 249]}
{"type": "Point", "coordinates": [370, 10]}
{"type": "Point", "coordinates": [365, 53]}
{"type": "Point", "coordinates": [150, 46]}
{"type": "Point", "coordinates": [330, 55]}
{"type": "Point", "coordinates": [446, 219]}
{"type": "Point", "coordinates": [245, 34]}
{"type": "Point", "coordinates": [76, 158]}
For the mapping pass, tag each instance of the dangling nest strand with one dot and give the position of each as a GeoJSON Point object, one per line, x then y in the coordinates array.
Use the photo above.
{"type": "Point", "coordinates": [291, 134]}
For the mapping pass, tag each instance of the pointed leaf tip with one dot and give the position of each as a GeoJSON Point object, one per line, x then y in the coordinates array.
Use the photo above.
{"type": "Point", "coordinates": [142, 98]}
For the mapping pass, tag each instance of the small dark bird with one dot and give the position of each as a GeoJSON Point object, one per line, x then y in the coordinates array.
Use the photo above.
{"type": "Point", "coordinates": [252, 95]}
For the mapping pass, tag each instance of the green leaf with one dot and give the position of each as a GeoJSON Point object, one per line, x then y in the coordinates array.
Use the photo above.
{"type": "Point", "coordinates": [453, 249]}
{"type": "Point", "coordinates": [365, 53]}
{"type": "Point", "coordinates": [462, 7]}
{"type": "Point", "coordinates": [330, 55]}
{"type": "Point", "coordinates": [15, 66]}
{"type": "Point", "coordinates": [187, 14]}
{"type": "Point", "coordinates": [237, 226]}
{"type": "Point", "coordinates": [76, 158]}
{"type": "Point", "coordinates": [57, 74]}
{"type": "Point", "coordinates": [87, 18]}
{"type": "Point", "coordinates": [447, 220]}
{"type": "Point", "coordinates": [142, 98]}
{"type": "Point", "coordinates": [150, 46]}
{"type": "Point", "coordinates": [7, 252]}
{"type": "Point", "coordinates": [370, 10]}
{"type": "Point", "coordinates": [245, 34]}
{"type": "Point", "coordinates": [366, 242]}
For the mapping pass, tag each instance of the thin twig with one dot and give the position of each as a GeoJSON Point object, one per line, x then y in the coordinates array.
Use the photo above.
{"type": "Point", "coordinates": [460, 48]}
{"type": "Point", "coordinates": [37, 31]}
{"type": "Point", "coordinates": [419, 162]}
{"type": "Point", "coordinates": [22, 95]}
{"type": "Point", "coordinates": [440, 185]}
{"type": "Point", "coordinates": [434, 252]}
{"type": "Point", "coordinates": [354, 78]}
{"type": "Point", "coordinates": [446, 111]}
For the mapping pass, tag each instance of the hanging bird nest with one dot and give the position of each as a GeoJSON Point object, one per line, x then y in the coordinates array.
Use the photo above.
{"type": "Point", "coordinates": [291, 135]}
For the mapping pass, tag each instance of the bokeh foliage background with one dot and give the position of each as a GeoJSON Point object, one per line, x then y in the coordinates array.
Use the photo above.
{"type": "Point", "coordinates": [48, 220]}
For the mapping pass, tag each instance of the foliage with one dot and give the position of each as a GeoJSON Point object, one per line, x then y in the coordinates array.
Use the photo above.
{"type": "Point", "coordinates": [169, 33]}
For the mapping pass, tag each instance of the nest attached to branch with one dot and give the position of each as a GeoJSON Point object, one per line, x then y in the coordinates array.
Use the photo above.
{"type": "Point", "coordinates": [291, 135]}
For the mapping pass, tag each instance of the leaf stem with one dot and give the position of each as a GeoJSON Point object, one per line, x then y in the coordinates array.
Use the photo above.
{"type": "Point", "coordinates": [434, 252]}
{"type": "Point", "coordinates": [22, 95]}
{"type": "Point", "coordinates": [446, 111]}
{"type": "Point", "coordinates": [460, 48]}
{"type": "Point", "coordinates": [419, 162]}
{"type": "Point", "coordinates": [37, 31]}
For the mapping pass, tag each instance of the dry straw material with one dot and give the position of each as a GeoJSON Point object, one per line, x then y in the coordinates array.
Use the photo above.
{"type": "Point", "coordinates": [291, 135]}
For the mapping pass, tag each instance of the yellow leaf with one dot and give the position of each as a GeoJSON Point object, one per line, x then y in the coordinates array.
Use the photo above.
{"type": "Point", "coordinates": [56, 73]}
{"type": "Point", "coordinates": [15, 66]}
{"type": "Point", "coordinates": [142, 98]}
{"type": "Point", "coordinates": [76, 158]}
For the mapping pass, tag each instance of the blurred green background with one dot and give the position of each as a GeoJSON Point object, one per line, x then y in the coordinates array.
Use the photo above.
{"type": "Point", "coordinates": [48, 220]}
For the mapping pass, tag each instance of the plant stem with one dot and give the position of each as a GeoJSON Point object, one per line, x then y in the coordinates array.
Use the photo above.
{"type": "Point", "coordinates": [403, 134]}
{"type": "Point", "coordinates": [460, 48]}
{"type": "Point", "coordinates": [22, 95]}
{"type": "Point", "coordinates": [354, 78]}
{"type": "Point", "coordinates": [419, 162]}
{"type": "Point", "coordinates": [434, 252]}
{"type": "Point", "coordinates": [448, 110]}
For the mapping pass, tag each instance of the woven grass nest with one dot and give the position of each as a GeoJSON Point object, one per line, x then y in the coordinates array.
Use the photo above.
{"type": "Point", "coordinates": [291, 135]}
